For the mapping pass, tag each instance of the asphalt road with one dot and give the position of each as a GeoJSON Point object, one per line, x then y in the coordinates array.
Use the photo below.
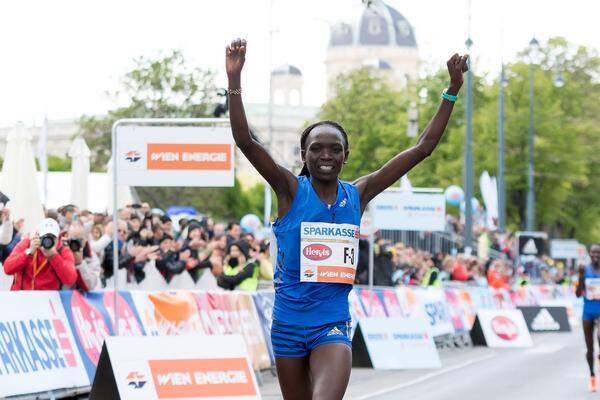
{"type": "Point", "coordinates": [554, 368]}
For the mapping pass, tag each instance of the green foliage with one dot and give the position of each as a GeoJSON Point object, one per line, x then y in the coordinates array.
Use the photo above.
{"type": "Point", "coordinates": [567, 128]}
{"type": "Point", "coordinates": [56, 163]}
{"type": "Point", "coordinates": [159, 88]}
{"type": "Point", "coordinates": [156, 88]}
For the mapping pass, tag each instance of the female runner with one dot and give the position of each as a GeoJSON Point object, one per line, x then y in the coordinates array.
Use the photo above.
{"type": "Point", "coordinates": [317, 232]}
{"type": "Point", "coordinates": [588, 286]}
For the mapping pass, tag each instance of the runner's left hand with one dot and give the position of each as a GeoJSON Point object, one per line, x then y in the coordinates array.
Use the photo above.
{"type": "Point", "coordinates": [457, 65]}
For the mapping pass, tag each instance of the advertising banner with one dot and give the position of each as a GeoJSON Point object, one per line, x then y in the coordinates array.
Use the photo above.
{"type": "Point", "coordinates": [500, 328]}
{"type": "Point", "coordinates": [455, 309]}
{"type": "Point", "coordinates": [394, 343]}
{"type": "Point", "coordinates": [37, 350]}
{"type": "Point", "coordinates": [168, 313]}
{"type": "Point", "coordinates": [91, 319]}
{"type": "Point", "coordinates": [264, 300]}
{"type": "Point", "coordinates": [435, 309]}
{"type": "Point", "coordinates": [409, 211]}
{"type": "Point", "coordinates": [224, 313]}
{"type": "Point", "coordinates": [371, 302]}
{"type": "Point", "coordinates": [564, 249]}
{"type": "Point", "coordinates": [175, 156]}
{"type": "Point", "coordinates": [175, 367]}
{"type": "Point", "coordinates": [546, 319]}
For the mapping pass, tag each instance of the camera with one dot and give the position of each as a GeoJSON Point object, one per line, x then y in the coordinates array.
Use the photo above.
{"type": "Point", "coordinates": [47, 241]}
{"type": "Point", "coordinates": [74, 244]}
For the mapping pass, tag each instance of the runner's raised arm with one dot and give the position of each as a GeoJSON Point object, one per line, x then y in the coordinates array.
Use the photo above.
{"type": "Point", "coordinates": [280, 179]}
{"type": "Point", "coordinates": [371, 185]}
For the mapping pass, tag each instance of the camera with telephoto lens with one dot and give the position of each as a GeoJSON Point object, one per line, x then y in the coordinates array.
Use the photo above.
{"type": "Point", "coordinates": [74, 244]}
{"type": "Point", "coordinates": [47, 241]}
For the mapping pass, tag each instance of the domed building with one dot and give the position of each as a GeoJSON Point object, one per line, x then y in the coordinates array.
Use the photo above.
{"type": "Point", "coordinates": [381, 39]}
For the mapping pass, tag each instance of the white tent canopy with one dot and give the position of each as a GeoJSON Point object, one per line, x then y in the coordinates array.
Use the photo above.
{"type": "Point", "coordinates": [19, 179]}
{"type": "Point", "coordinates": [80, 170]}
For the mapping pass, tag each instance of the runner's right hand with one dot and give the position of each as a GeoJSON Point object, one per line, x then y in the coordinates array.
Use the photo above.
{"type": "Point", "coordinates": [235, 55]}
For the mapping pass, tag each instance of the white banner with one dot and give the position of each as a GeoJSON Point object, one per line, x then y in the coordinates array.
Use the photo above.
{"type": "Point", "coordinates": [504, 328]}
{"type": "Point", "coordinates": [182, 367]}
{"type": "Point", "coordinates": [175, 156]}
{"type": "Point", "coordinates": [399, 343]}
{"type": "Point", "coordinates": [37, 350]}
{"type": "Point", "coordinates": [409, 211]}
{"type": "Point", "coordinates": [564, 248]}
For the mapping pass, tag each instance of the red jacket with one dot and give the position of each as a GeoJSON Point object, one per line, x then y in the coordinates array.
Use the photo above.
{"type": "Point", "coordinates": [58, 270]}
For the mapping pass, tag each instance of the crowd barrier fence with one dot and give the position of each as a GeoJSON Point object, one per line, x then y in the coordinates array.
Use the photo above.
{"type": "Point", "coordinates": [50, 342]}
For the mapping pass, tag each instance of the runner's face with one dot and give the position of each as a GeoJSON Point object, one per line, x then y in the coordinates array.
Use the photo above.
{"type": "Point", "coordinates": [325, 152]}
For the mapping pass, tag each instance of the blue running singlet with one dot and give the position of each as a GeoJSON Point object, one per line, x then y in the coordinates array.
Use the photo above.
{"type": "Point", "coordinates": [591, 299]}
{"type": "Point", "coordinates": [310, 304]}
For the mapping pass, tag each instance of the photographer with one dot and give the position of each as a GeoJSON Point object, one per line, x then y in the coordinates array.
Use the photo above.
{"type": "Point", "coordinates": [86, 262]}
{"type": "Point", "coordinates": [41, 262]}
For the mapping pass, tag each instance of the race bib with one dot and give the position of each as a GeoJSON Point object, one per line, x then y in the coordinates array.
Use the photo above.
{"type": "Point", "coordinates": [328, 252]}
{"type": "Point", "coordinates": [592, 288]}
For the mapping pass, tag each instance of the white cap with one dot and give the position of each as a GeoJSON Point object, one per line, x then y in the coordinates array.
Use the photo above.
{"type": "Point", "coordinates": [48, 226]}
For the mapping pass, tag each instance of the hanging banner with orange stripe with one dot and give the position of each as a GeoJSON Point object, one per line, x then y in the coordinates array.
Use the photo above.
{"type": "Point", "coordinates": [175, 156]}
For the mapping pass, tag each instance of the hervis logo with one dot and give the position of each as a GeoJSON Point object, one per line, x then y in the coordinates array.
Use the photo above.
{"type": "Point", "coordinates": [133, 156]}
{"type": "Point", "coordinates": [317, 252]}
{"type": "Point", "coordinates": [136, 380]}
{"type": "Point", "coordinates": [505, 328]}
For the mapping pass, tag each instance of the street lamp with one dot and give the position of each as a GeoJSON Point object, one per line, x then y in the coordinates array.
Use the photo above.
{"type": "Point", "coordinates": [501, 186]}
{"type": "Point", "coordinates": [530, 206]}
{"type": "Point", "coordinates": [468, 167]}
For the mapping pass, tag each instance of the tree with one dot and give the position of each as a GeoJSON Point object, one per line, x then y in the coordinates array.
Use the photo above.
{"type": "Point", "coordinates": [160, 88]}
{"type": "Point", "coordinates": [567, 125]}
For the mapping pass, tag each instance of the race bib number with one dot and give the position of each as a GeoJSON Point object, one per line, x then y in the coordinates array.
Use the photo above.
{"type": "Point", "coordinates": [592, 288]}
{"type": "Point", "coordinates": [328, 252]}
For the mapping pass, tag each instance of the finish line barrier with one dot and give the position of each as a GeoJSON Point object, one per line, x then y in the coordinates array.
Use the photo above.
{"type": "Point", "coordinates": [53, 340]}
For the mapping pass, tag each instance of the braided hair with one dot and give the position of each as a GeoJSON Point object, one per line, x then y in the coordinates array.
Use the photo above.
{"type": "Point", "coordinates": [306, 132]}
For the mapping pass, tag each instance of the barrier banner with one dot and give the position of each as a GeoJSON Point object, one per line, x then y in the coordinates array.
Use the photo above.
{"type": "Point", "coordinates": [174, 367]}
{"type": "Point", "coordinates": [234, 313]}
{"type": "Point", "coordinates": [91, 318]}
{"type": "Point", "coordinates": [546, 319]}
{"type": "Point", "coordinates": [409, 301]}
{"type": "Point", "coordinates": [502, 298]}
{"type": "Point", "coordinates": [371, 303]}
{"type": "Point", "coordinates": [168, 313]}
{"type": "Point", "coordinates": [390, 302]}
{"type": "Point", "coordinates": [481, 297]}
{"type": "Point", "coordinates": [500, 328]}
{"type": "Point", "coordinates": [436, 312]}
{"type": "Point", "coordinates": [264, 301]}
{"type": "Point", "coordinates": [394, 343]}
{"type": "Point", "coordinates": [37, 350]}
{"type": "Point", "coordinates": [455, 309]}
{"type": "Point", "coordinates": [357, 311]}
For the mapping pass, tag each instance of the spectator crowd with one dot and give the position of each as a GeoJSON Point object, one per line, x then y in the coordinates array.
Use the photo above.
{"type": "Point", "coordinates": [73, 249]}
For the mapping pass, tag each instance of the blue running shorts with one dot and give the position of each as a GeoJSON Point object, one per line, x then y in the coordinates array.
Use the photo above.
{"type": "Point", "coordinates": [299, 341]}
{"type": "Point", "coordinates": [590, 315]}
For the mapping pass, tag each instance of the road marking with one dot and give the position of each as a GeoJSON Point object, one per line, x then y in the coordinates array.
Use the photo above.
{"type": "Point", "coordinates": [425, 377]}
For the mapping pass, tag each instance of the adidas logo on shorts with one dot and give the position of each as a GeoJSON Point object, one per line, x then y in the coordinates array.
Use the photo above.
{"type": "Point", "coordinates": [335, 331]}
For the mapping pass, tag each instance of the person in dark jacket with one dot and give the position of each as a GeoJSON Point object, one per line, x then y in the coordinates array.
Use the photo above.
{"type": "Point", "coordinates": [168, 261]}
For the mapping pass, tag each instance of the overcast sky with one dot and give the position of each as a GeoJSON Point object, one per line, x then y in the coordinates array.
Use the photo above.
{"type": "Point", "coordinates": [60, 57]}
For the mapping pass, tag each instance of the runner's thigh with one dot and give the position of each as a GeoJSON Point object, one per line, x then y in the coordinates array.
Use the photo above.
{"type": "Point", "coordinates": [294, 378]}
{"type": "Point", "coordinates": [330, 367]}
